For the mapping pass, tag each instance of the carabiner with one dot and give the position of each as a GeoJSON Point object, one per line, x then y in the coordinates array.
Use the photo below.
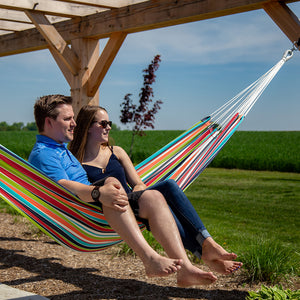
{"type": "Point", "coordinates": [288, 54]}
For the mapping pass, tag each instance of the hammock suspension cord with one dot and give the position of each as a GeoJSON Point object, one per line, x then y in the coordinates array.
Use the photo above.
{"type": "Point", "coordinates": [244, 101]}
{"type": "Point", "coordinates": [81, 226]}
{"type": "Point", "coordinates": [206, 138]}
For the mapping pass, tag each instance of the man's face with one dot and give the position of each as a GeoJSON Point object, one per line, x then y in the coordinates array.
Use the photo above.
{"type": "Point", "coordinates": [62, 129]}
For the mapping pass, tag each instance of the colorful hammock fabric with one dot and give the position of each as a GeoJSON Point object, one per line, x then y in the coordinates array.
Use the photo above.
{"type": "Point", "coordinates": [82, 226]}
{"type": "Point", "coordinates": [187, 156]}
{"type": "Point", "coordinates": [56, 211]}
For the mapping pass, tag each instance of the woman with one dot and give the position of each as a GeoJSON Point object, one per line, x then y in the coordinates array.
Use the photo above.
{"type": "Point", "coordinates": [91, 147]}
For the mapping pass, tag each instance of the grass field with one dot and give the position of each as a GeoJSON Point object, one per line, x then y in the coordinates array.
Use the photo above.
{"type": "Point", "coordinates": [272, 151]}
{"type": "Point", "coordinates": [243, 206]}
{"type": "Point", "coordinates": [246, 211]}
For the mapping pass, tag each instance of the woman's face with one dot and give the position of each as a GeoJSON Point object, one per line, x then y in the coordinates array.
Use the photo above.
{"type": "Point", "coordinates": [100, 128]}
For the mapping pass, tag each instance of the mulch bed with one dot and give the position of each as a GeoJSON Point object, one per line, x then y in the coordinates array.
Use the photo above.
{"type": "Point", "coordinates": [33, 262]}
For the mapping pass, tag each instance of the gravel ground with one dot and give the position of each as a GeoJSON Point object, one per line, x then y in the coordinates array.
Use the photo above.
{"type": "Point", "coordinates": [33, 262]}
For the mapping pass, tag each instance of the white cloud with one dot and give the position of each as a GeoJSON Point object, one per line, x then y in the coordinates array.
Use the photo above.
{"type": "Point", "coordinates": [220, 43]}
{"type": "Point", "coordinates": [246, 37]}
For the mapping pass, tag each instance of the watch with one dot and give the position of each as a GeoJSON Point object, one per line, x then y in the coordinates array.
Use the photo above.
{"type": "Point", "coordinates": [96, 193]}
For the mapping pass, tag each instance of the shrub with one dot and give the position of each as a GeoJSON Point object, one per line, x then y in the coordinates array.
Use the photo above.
{"type": "Point", "coordinates": [270, 261]}
{"type": "Point", "coordinates": [276, 292]}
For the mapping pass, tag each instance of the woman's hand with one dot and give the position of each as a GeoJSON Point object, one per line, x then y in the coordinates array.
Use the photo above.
{"type": "Point", "coordinates": [113, 195]}
{"type": "Point", "coordinates": [139, 187]}
{"type": "Point", "coordinates": [132, 176]}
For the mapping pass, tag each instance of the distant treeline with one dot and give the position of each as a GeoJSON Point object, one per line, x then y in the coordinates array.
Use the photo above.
{"type": "Point", "coordinates": [31, 126]}
{"type": "Point", "coordinates": [18, 126]}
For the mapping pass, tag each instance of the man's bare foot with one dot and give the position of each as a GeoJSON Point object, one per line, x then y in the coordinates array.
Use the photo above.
{"type": "Point", "coordinates": [161, 266]}
{"type": "Point", "coordinates": [218, 259]}
{"type": "Point", "coordinates": [193, 276]}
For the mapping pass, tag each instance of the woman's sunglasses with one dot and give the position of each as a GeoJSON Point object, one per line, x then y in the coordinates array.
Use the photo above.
{"type": "Point", "coordinates": [103, 123]}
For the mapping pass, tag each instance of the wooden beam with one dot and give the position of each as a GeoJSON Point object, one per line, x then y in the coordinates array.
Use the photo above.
{"type": "Point", "coordinates": [88, 51]}
{"type": "Point", "coordinates": [104, 62]}
{"type": "Point", "coordinates": [20, 16]}
{"type": "Point", "coordinates": [134, 18]}
{"type": "Point", "coordinates": [97, 3]}
{"type": "Point", "coordinates": [14, 26]}
{"type": "Point", "coordinates": [51, 7]}
{"type": "Point", "coordinates": [286, 20]}
{"type": "Point", "coordinates": [55, 41]}
{"type": "Point", "coordinates": [5, 31]}
{"type": "Point", "coordinates": [105, 3]}
{"type": "Point", "coordinates": [11, 15]}
{"type": "Point", "coordinates": [66, 72]}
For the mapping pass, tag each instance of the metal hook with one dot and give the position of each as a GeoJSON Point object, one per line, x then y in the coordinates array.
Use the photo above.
{"type": "Point", "coordinates": [296, 45]}
{"type": "Point", "coordinates": [288, 54]}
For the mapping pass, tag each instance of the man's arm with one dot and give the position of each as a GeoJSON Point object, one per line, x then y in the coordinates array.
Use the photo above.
{"type": "Point", "coordinates": [112, 193]}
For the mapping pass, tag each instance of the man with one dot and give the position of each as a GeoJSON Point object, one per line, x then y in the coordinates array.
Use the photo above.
{"type": "Point", "coordinates": [55, 121]}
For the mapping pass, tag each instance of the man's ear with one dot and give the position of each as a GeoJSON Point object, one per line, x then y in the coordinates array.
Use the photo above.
{"type": "Point", "coordinates": [48, 122]}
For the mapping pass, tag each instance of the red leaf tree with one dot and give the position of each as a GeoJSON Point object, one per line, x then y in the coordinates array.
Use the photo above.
{"type": "Point", "coordinates": [143, 114]}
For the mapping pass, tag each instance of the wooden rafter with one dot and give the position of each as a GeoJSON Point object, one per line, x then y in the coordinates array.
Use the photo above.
{"type": "Point", "coordinates": [105, 60]}
{"type": "Point", "coordinates": [50, 7]}
{"type": "Point", "coordinates": [55, 41]}
{"type": "Point", "coordinates": [133, 18]}
{"type": "Point", "coordinates": [286, 20]}
{"type": "Point", "coordinates": [102, 3]}
{"type": "Point", "coordinates": [72, 29]}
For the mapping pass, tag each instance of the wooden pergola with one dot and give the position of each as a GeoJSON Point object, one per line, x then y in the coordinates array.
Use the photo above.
{"type": "Point", "coordinates": [72, 30]}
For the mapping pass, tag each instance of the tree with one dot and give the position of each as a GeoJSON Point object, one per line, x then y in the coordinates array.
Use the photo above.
{"type": "Point", "coordinates": [16, 126]}
{"type": "Point", "coordinates": [3, 126]}
{"type": "Point", "coordinates": [30, 126]}
{"type": "Point", "coordinates": [142, 115]}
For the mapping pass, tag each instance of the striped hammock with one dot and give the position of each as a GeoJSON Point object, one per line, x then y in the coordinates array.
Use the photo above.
{"type": "Point", "coordinates": [81, 226]}
{"type": "Point", "coordinates": [187, 156]}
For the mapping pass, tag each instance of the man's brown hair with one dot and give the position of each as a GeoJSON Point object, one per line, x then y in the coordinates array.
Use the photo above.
{"type": "Point", "coordinates": [46, 106]}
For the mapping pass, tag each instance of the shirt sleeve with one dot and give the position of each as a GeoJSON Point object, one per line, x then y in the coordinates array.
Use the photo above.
{"type": "Point", "coordinates": [49, 163]}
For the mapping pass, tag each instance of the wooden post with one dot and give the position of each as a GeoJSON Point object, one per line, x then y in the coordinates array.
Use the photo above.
{"type": "Point", "coordinates": [88, 53]}
{"type": "Point", "coordinates": [81, 65]}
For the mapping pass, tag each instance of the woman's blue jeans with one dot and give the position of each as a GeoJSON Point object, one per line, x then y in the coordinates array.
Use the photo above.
{"type": "Point", "coordinates": [191, 228]}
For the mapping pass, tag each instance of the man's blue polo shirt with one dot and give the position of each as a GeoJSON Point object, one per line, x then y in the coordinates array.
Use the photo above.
{"type": "Point", "coordinates": [56, 160]}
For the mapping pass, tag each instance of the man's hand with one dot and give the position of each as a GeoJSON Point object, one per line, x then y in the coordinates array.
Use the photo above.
{"type": "Point", "coordinates": [113, 195]}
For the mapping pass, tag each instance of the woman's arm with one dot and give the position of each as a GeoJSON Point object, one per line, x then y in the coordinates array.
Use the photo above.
{"type": "Point", "coordinates": [132, 176]}
{"type": "Point", "coordinates": [112, 193]}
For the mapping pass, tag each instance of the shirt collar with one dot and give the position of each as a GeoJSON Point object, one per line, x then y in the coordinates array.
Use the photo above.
{"type": "Point", "coordinates": [46, 140]}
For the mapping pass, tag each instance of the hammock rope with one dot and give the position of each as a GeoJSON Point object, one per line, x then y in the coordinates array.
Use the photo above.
{"type": "Point", "coordinates": [206, 138]}
{"type": "Point", "coordinates": [81, 226]}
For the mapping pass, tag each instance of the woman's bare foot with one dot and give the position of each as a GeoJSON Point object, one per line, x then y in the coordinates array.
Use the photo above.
{"type": "Point", "coordinates": [192, 276]}
{"type": "Point", "coordinates": [161, 266]}
{"type": "Point", "coordinates": [212, 250]}
{"type": "Point", "coordinates": [223, 266]}
{"type": "Point", "coordinates": [218, 259]}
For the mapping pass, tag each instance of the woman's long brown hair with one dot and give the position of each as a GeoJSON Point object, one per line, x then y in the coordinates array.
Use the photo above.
{"type": "Point", "coordinates": [85, 118]}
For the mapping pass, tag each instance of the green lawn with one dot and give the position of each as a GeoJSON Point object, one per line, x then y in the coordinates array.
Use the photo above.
{"type": "Point", "coordinates": [248, 150]}
{"type": "Point", "coordinates": [240, 207]}
{"type": "Point", "coordinates": [245, 211]}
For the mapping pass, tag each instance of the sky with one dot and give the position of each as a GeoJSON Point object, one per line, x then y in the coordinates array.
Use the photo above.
{"type": "Point", "coordinates": [203, 65]}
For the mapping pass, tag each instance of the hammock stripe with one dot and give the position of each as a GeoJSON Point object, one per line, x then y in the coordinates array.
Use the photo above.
{"type": "Point", "coordinates": [57, 212]}
{"type": "Point", "coordinates": [81, 226]}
